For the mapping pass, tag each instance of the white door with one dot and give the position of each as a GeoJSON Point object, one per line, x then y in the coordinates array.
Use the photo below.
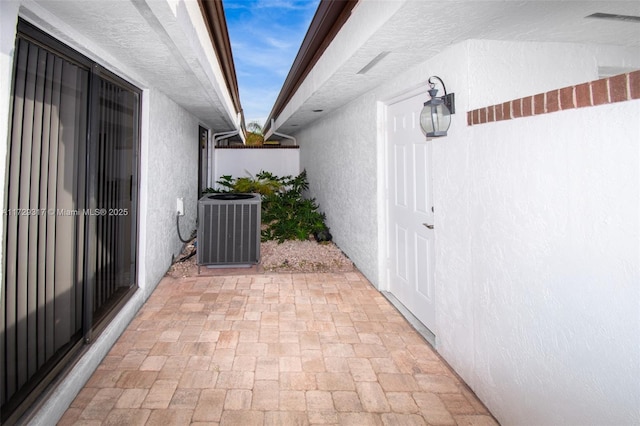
{"type": "Point", "coordinates": [410, 227]}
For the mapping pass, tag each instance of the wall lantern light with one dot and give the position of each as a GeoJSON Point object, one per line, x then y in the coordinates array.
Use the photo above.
{"type": "Point", "coordinates": [435, 117]}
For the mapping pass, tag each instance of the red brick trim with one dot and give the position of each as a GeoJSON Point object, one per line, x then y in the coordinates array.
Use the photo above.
{"type": "Point", "coordinates": [583, 95]}
{"type": "Point", "coordinates": [619, 88]}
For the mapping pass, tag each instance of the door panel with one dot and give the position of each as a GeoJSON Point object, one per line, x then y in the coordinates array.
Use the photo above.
{"type": "Point", "coordinates": [411, 255]}
{"type": "Point", "coordinates": [43, 291]}
{"type": "Point", "coordinates": [114, 169]}
{"type": "Point", "coordinates": [400, 187]}
{"type": "Point", "coordinates": [421, 166]}
{"type": "Point", "coordinates": [401, 250]}
{"type": "Point", "coordinates": [423, 268]}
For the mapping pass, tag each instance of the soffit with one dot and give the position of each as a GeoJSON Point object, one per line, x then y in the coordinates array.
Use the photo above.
{"type": "Point", "coordinates": [149, 45]}
{"type": "Point", "coordinates": [421, 29]}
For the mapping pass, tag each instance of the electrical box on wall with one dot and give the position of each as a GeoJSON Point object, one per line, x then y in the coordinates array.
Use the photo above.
{"type": "Point", "coordinates": [180, 207]}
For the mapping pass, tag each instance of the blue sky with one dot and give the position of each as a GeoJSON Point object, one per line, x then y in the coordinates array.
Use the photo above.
{"type": "Point", "coordinates": [265, 38]}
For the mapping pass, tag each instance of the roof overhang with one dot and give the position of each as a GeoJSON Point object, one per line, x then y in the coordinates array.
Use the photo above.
{"type": "Point", "coordinates": [213, 13]}
{"type": "Point", "coordinates": [180, 48]}
{"type": "Point", "coordinates": [326, 23]}
{"type": "Point", "coordinates": [377, 40]}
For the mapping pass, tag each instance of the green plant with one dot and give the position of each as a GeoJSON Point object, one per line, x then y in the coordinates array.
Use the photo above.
{"type": "Point", "coordinates": [264, 184]}
{"type": "Point", "coordinates": [286, 213]}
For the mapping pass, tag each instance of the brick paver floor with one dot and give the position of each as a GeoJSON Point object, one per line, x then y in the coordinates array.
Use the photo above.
{"type": "Point", "coordinates": [273, 349]}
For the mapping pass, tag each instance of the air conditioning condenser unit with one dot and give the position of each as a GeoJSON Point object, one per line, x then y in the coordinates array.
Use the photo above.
{"type": "Point", "coordinates": [229, 230]}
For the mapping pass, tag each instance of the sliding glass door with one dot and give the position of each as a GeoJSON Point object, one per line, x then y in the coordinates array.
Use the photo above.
{"type": "Point", "coordinates": [113, 157]}
{"type": "Point", "coordinates": [70, 213]}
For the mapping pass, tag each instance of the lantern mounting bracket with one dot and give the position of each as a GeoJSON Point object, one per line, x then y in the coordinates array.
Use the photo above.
{"type": "Point", "coordinates": [448, 98]}
{"type": "Point", "coordinates": [449, 102]}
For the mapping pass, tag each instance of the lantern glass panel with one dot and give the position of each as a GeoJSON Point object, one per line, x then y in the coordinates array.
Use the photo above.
{"type": "Point", "coordinates": [435, 119]}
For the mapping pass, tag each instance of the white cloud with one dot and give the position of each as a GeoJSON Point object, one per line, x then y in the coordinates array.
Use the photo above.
{"type": "Point", "coordinates": [279, 44]}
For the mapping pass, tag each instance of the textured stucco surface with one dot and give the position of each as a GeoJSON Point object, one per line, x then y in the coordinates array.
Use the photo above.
{"type": "Point", "coordinates": [537, 231]}
{"type": "Point", "coordinates": [537, 279]}
{"type": "Point", "coordinates": [554, 244]}
{"type": "Point", "coordinates": [171, 159]}
{"type": "Point", "coordinates": [249, 162]}
{"type": "Point", "coordinates": [340, 159]}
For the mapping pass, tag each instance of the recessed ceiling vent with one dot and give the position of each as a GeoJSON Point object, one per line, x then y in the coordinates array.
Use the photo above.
{"type": "Point", "coordinates": [373, 62]}
{"type": "Point", "coordinates": [623, 18]}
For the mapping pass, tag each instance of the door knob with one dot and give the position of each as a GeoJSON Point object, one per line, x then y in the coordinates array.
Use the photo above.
{"type": "Point", "coordinates": [428, 226]}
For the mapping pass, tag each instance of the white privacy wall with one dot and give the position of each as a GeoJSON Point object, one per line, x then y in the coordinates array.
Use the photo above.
{"type": "Point", "coordinates": [537, 229]}
{"type": "Point", "coordinates": [546, 328]}
{"type": "Point", "coordinates": [552, 309]}
{"type": "Point", "coordinates": [245, 162]}
{"type": "Point", "coordinates": [537, 244]}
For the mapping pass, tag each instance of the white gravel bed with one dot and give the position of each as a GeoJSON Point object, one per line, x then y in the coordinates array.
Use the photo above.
{"type": "Point", "coordinates": [289, 256]}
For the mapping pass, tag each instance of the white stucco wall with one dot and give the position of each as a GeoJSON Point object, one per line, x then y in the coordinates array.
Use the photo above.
{"type": "Point", "coordinates": [249, 162]}
{"type": "Point", "coordinates": [537, 272]}
{"type": "Point", "coordinates": [171, 160]}
{"type": "Point", "coordinates": [501, 71]}
{"type": "Point", "coordinates": [537, 229]}
{"type": "Point", "coordinates": [340, 159]}
{"type": "Point", "coordinates": [554, 243]}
